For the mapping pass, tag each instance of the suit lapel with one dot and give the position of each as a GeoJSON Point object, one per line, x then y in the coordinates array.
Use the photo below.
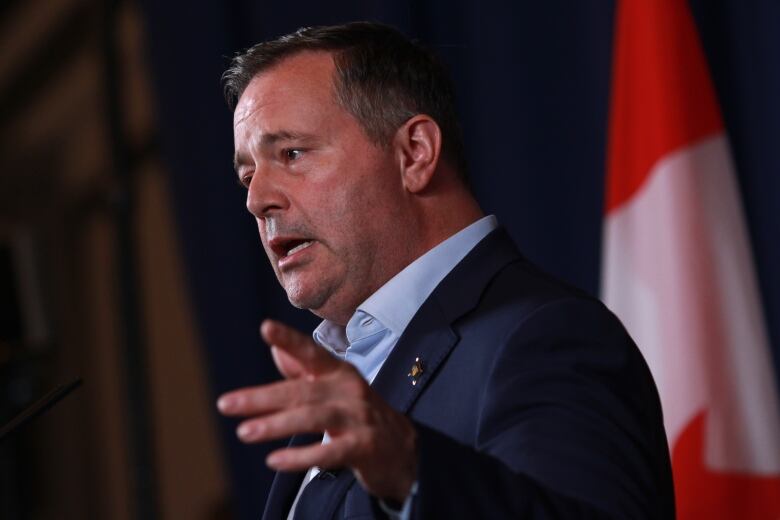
{"type": "Point", "coordinates": [429, 337]}
{"type": "Point", "coordinates": [322, 496]}
{"type": "Point", "coordinates": [285, 485]}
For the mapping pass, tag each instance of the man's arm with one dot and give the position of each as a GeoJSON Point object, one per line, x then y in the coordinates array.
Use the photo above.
{"type": "Point", "coordinates": [570, 426]}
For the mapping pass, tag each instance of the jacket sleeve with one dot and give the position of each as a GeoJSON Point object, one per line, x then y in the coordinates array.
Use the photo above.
{"type": "Point", "coordinates": [570, 427]}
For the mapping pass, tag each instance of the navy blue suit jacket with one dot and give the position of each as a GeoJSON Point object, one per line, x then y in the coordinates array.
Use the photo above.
{"type": "Point", "coordinates": [533, 403]}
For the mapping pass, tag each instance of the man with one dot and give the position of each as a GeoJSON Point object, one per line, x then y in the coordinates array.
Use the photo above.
{"type": "Point", "coordinates": [450, 377]}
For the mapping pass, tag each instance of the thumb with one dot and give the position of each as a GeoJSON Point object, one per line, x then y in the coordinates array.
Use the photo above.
{"type": "Point", "coordinates": [296, 352]}
{"type": "Point", "coordinates": [287, 365]}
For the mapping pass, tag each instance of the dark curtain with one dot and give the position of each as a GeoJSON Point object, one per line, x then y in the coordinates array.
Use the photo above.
{"type": "Point", "coordinates": [533, 87]}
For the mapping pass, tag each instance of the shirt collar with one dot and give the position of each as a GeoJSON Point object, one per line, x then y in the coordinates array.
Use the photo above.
{"type": "Point", "coordinates": [397, 301]}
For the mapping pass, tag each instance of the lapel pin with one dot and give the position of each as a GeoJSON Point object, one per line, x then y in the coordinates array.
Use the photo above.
{"type": "Point", "coordinates": [416, 371]}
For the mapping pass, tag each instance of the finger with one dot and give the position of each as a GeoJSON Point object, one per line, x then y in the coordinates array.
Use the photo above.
{"type": "Point", "coordinates": [313, 358]}
{"type": "Point", "coordinates": [276, 396]}
{"type": "Point", "coordinates": [286, 423]}
{"type": "Point", "coordinates": [335, 454]}
{"type": "Point", "coordinates": [287, 365]}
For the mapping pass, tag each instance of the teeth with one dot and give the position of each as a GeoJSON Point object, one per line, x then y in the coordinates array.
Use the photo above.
{"type": "Point", "coordinates": [299, 247]}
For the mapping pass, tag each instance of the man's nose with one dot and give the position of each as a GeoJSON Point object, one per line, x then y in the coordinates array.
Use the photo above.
{"type": "Point", "coordinates": [265, 195]}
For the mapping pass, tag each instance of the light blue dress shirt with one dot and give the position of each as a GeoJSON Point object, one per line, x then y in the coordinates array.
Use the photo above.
{"type": "Point", "coordinates": [374, 329]}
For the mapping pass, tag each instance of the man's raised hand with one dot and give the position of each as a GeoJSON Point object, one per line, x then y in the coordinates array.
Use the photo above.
{"type": "Point", "coordinates": [322, 393]}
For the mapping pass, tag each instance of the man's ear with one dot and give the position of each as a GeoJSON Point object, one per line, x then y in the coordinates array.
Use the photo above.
{"type": "Point", "coordinates": [418, 145]}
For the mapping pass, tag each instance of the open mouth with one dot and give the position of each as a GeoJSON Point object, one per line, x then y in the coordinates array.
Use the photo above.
{"type": "Point", "coordinates": [287, 247]}
{"type": "Point", "coordinates": [302, 245]}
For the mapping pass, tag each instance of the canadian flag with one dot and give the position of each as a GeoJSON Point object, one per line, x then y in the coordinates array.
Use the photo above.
{"type": "Point", "coordinates": [677, 267]}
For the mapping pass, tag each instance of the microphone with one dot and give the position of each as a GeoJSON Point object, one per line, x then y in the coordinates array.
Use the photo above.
{"type": "Point", "coordinates": [39, 407]}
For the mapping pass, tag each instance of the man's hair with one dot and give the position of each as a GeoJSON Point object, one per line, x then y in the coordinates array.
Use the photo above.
{"type": "Point", "coordinates": [382, 78]}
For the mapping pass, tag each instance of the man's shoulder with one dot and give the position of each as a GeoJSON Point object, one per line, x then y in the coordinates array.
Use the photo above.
{"type": "Point", "coordinates": [519, 303]}
{"type": "Point", "coordinates": [495, 273]}
{"type": "Point", "coordinates": [523, 297]}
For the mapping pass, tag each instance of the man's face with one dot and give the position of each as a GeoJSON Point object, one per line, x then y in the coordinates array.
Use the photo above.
{"type": "Point", "coordinates": [329, 203]}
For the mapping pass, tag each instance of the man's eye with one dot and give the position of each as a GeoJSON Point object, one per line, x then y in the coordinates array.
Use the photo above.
{"type": "Point", "coordinates": [245, 181]}
{"type": "Point", "coordinates": [292, 154]}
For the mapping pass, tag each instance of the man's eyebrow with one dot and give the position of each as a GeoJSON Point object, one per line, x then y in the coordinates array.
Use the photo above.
{"type": "Point", "coordinates": [267, 140]}
{"type": "Point", "coordinates": [237, 161]}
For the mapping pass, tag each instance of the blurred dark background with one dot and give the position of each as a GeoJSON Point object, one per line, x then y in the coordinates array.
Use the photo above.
{"type": "Point", "coordinates": [127, 257]}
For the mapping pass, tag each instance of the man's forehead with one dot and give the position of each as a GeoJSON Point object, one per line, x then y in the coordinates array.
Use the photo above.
{"type": "Point", "coordinates": [247, 105]}
{"type": "Point", "coordinates": [302, 71]}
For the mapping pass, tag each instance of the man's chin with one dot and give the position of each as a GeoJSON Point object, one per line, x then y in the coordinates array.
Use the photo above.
{"type": "Point", "coordinates": [320, 298]}
{"type": "Point", "coordinates": [321, 305]}
{"type": "Point", "coordinates": [306, 300]}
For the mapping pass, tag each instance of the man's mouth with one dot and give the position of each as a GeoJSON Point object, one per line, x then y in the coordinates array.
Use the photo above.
{"type": "Point", "coordinates": [299, 247]}
{"type": "Point", "coordinates": [285, 246]}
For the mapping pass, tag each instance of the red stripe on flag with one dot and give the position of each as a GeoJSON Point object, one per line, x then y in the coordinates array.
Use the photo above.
{"type": "Point", "coordinates": [662, 96]}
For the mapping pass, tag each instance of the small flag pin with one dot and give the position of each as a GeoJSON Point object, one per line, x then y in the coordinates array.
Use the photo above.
{"type": "Point", "coordinates": [416, 370]}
